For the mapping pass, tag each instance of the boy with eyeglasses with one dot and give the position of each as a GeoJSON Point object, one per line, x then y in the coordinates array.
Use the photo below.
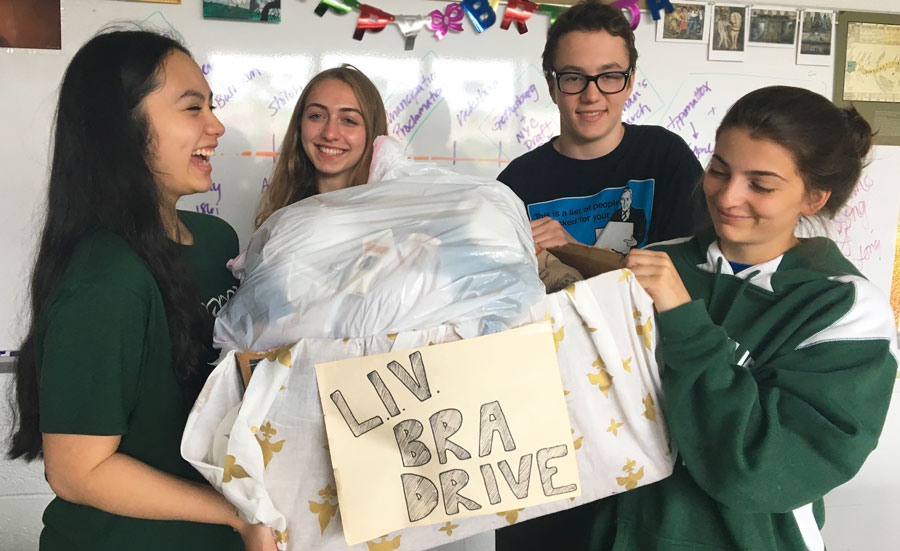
{"type": "Point", "coordinates": [573, 185]}
{"type": "Point", "coordinates": [589, 61]}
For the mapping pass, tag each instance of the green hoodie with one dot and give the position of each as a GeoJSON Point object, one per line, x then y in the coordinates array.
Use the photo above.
{"type": "Point", "coordinates": [777, 382]}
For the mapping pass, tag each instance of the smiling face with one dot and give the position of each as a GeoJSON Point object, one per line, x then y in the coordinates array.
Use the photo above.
{"type": "Point", "coordinates": [333, 133]}
{"type": "Point", "coordinates": [590, 122]}
{"type": "Point", "coordinates": [755, 197]}
{"type": "Point", "coordinates": [184, 130]}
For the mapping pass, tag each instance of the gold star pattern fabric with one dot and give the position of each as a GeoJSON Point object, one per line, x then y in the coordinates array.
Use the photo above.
{"type": "Point", "coordinates": [650, 409]}
{"type": "Point", "coordinates": [631, 479]}
{"type": "Point", "coordinates": [281, 355]}
{"type": "Point", "coordinates": [558, 334]}
{"type": "Point", "coordinates": [384, 544]}
{"type": "Point", "coordinates": [602, 379]}
{"type": "Point", "coordinates": [326, 508]}
{"type": "Point", "coordinates": [511, 516]}
{"type": "Point", "coordinates": [603, 334]}
{"type": "Point", "coordinates": [576, 443]}
{"type": "Point", "coordinates": [645, 329]}
{"type": "Point", "coordinates": [268, 447]}
{"type": "Point", "coordinates": [614, 427]}
{"type": "Point", "coordinates": [232, 470]}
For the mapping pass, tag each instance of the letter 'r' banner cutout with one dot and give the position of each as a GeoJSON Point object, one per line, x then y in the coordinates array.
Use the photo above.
{"type": "Point", "coordinates": [449, 431]}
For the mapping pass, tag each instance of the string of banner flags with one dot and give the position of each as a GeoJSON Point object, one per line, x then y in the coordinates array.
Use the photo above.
{"type": "Point", "coordinates": [481, 13]}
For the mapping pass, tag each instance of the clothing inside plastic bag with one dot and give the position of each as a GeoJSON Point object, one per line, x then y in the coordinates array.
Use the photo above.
{"type": "Point", "coordinates": [425, 247]}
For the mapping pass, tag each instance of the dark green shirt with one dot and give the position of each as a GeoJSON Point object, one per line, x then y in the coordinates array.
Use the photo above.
{"type": "Point", "coordinates": [104, 361]}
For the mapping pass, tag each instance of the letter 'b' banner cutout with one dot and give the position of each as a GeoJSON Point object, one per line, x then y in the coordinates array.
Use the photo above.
{"type": "Point", "coordinates": [449, 431]}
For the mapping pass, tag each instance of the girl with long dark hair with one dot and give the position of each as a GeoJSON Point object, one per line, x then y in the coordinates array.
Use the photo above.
{"type": "Point", "coordinates": [119, 335]}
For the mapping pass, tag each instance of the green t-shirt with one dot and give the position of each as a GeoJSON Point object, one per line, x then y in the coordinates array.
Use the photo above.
{"type": "Point", "coordinates": [104, 362]}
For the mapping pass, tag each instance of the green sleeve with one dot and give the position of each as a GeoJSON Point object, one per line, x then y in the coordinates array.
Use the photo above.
{"type": "Point", "coordinates": [90, 359]}
{"type": "Point", "coordinates": [780, 435]}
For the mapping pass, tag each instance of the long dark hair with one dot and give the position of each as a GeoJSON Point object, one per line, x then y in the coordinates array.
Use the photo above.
{"type": "Point", "coordinates": [829, 144]}
{"type": "Point", "coordinates": [101, 179]}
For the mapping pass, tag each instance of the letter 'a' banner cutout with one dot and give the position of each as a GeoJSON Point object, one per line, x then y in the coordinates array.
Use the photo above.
{"type": "Point", "coordinates": [449, 431]}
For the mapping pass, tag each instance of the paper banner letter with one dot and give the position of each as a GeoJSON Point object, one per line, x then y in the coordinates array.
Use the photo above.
{"type": "Point", "coordinates": [417, 383]}
{"type": "Point", "coordinates": [518, 11]}
{"type": "Point", "coordinates": [653, 6]}
{"type": "Point", "coordinates": [357, 428]}
{"type": "Point", "coordinates": [452, 482]}
{"type": "Point", "coordinates": [546, 472]}
{"type": "Point", "coordinates": [552, 11]}
{"type": "Point", "coordinates": [371, 19]}
{"type": "Point", "coordinates": [413, 452]}
{"type": "Point", "coordinates": [339, 7]}
{"type": "Point", "coordinates": [632, 7]}
{"type": "Point", "coordinates": [490, 484]}
{"type": "Point", "coordinates": [445, 424]}
{"type": "Point", "coordinates": [519, 487]}
{"type": "Point", "coordinates": [493, 420]}
{"type": "Point", "coordinates": [449, 20]}
{"type": "Point", "coordinates": [421, 496]}
{"type": "Point", "coordinates": [409, 26]}
{"type": "Point", "coordinates": [480, 13]}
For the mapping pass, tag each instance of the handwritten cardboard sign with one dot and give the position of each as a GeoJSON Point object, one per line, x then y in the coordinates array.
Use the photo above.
{"type": "Point", "coordinates": [448, 431]}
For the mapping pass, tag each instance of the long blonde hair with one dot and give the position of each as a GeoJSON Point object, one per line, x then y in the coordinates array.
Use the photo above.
{"type": "Point", "coordinates": [295, 176]}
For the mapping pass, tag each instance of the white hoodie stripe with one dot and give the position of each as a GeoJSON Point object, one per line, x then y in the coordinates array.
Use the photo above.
{"type": "Point", "coordinates": [869, 318]}
{"type": "Point", "coordinates": [809, 529]}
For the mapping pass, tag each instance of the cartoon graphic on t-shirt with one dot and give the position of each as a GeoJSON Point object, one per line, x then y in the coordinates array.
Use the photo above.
{"type": "Point", "coordinates": [626, 228]}
{"type": "Point", "coordinates": [615, 218]}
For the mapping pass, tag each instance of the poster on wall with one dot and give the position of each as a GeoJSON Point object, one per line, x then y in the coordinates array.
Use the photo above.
{"type": "Point", "coordinates": [687, 22]}
{"type": "Point", "coordinates": [816, 43]}
{"type": "Point", "coordinates": [268, 11]}
{"type": "Point", "coordinates": [773, 27]}
{"type": "Point", "coordinates": [873, 53]}
{"type": "Point", "coordinates": [729, 32]}
{"type": "Point", "coordinates": [30, 25]}
{"type": "Point", "coordinates": [867, 54]}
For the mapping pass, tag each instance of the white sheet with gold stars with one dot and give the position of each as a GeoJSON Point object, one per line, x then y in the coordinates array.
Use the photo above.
{"type": "Point", "coordinates": [268, 451]}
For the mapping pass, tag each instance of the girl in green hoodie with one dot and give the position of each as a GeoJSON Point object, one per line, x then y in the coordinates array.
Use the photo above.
{"type": "Point", "coordinates": [779, 356]}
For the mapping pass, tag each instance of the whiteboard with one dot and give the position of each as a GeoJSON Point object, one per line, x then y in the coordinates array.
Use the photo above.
{"type": "Point", "coordinates": [470, 101]}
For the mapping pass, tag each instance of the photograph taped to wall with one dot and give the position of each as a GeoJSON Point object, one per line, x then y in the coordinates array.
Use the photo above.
{"type": "Point", "coordinates": [686, 23]}
{"type": "Point", "coordinates": [729, 32]}
{"type": "Point", "coordinates": [776, 27]}
{"type": "Point", "coordinates": [816, 43]}
{"type": "Point", "coordinates": [873, 55]}
{"type": "Point", "coordinates": [30, 25]}
{"type": "Point", "coordinates": [268, 11]}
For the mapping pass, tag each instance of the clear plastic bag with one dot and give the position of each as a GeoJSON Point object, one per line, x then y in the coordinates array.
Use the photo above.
{"type": "Point", "coordinates": [423, 248]}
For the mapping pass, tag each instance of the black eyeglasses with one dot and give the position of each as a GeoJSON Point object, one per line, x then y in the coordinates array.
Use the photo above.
{"type": "Point", "coordinates": [612, 82]}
